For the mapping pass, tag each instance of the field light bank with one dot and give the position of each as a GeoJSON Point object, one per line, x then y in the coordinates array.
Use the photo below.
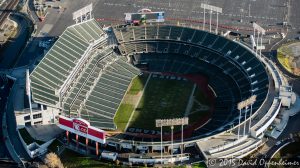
{"type": "Point", "coordinates": [246, 102]}
{"type": "Point", "coordinates": [210, 7]}
{"type": "Point", "coordinates": [172, 122]}
{"type": "Point", "coordinates": [259, 28]}
{"type": "Point", "coordinates": [83, 12]}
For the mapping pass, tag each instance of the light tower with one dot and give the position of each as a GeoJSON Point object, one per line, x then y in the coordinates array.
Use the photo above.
{"type": "Point", "coordinates": [212, 9]}
{"type": "Point", "coordinates": [243, 105]}
{"type": "Point", "coordinates": [171, 123]}
{"type": "Point", "coordinates": [260, 31]}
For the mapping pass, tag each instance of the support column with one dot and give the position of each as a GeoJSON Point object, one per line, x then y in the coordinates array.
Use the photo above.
{"type": "Point", "coordinates": [246, 109]}
{"type": "Point", "coordinates": [87, 144]}
{"type": "Point", "coordinates": [172, 128]}
{"type": "Point", "coordinates": [203, 27]}
{"type": "Point", "coordinates": [217, 23]}
{"type": "Point", "coordinates": [260, 44]}
{"type": "Point", "coordinates": [97, 150]}
{"type": "Point", "coordinates": [257, 43]}
{"type": "Point", "coordinates": [67, 135]}
{"type": "Point", "coordinates": [77, 140]}
{"type": "Point", "coordinates": [210, 20]}
{"type": "Point", "coordinates": [161, 139]}
{"type": "Point", "coordinates": [253, 39]}
{"type": "Point", "coordinates": [181, 142]}
{"type": "Point", "coordinates": [250, 117]}
{"type": "Point", "coordinates": [239, 124]}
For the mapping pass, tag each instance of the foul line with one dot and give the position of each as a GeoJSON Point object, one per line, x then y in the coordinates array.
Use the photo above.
{"type": "Point", "coordinates": [138, 102]}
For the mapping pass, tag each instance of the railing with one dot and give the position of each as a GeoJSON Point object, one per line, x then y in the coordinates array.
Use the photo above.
{"type": "Point", "coordinates": [266, 121]}
{"type": "Point", "coordinates": [7, 140]}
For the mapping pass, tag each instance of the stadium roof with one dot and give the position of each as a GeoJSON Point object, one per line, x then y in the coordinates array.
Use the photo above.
{"type": "Point", "coordinates": [61, 60]}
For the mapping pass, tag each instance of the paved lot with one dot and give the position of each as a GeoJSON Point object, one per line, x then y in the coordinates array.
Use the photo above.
{"type": "Point", "coordinates": [266, 12]}
{"type": "Point", "coordinates": [44, 132]}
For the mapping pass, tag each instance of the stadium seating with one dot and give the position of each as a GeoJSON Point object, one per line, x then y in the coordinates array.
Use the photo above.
{"type": "Point", "coordinates": [104, 99]}
{"type": "Point", "coordinates": [61, 60]}
{"type": "Point", "coordinates": [235, 74]}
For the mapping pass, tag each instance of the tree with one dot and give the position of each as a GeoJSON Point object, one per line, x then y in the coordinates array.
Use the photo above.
{"type": "Point", "coordinates": [53, 161]}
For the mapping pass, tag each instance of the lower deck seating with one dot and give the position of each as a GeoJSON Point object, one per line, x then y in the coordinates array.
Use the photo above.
{"type": "Point", "coordinates": [97, 95]}
{"type": "Point", "coordinates": [227, 91]}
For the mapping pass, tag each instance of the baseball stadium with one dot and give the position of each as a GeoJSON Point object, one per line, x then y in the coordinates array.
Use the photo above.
{"type": "Point", "coordinates": [149, 92]}
{"type": "Point", "coordinates": [154, 72]}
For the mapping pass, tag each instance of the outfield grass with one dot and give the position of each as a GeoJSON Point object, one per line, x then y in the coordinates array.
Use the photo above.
{"type": "Point", "coordinates": [126, 108]}
{"type": "Point", "coordinates": [162, 98]}
{"type": "Point", "coordinates": [123, 115]}
{"type": "Point", "coordinates": [137, 84]}
{"type": "Point", "coordinates": [203, 99]}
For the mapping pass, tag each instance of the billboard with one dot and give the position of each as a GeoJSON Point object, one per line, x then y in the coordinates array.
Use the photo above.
{"type": "Point", "coordinates": [145, 16]}
{"type": "Point", "coordinates": [82, 127]}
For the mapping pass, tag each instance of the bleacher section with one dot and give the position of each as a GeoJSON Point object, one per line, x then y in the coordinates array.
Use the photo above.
{"type": "Point", "coordinates": [62, 60]}
{"type": "Point", "coordinates": [83, 76]}
{"type": "Point", "coordinates": [235, 73]}
{"type": "Point", "coordinates": [104, 99]}
{"type": "Point", "coordinates": [99, 89]}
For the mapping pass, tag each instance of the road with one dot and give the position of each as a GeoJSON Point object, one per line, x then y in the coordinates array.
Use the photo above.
{"type": "Point", "coordinates": [15, 45]}
{"type": "Point", "coordinates": [12, 128]}
{"type": "Point", "coordinates": [8, 8]}
{"type": "Point", "coordinates": [5, 85]}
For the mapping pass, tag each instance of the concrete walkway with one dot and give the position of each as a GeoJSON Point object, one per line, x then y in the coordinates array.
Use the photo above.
{"type": "Point", "coordinates": [295, 109]}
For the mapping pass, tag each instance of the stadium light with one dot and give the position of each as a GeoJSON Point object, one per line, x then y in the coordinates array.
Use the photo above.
{"type": "Point", "coordinates": [261, 31]}
{"type": "Point", "coordinates": [252, 101]}
{"type": "Point", "coordinates": [171, 122]}
{"type": "Point", "coordinates": [83, 14]}
{"type": "Point", "coordinates": [244, 105]}
{"type": "Point", "coordinates": [211, 8]}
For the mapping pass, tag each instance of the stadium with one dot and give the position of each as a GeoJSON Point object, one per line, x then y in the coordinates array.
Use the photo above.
{"type": "Point", "coordinates": [159, 71]}
{"type": "Point", "coordinates": [150, 92]}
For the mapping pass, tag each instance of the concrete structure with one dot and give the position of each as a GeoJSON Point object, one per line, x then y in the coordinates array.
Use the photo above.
{"type": "Point", "coordinates": [39, 117]}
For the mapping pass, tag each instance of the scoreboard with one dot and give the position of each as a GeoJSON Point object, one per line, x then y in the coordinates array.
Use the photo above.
{"type": "Point", "coordinates": [145, 16]}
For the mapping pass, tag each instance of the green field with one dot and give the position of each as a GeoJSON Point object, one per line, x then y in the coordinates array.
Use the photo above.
{"type": "Point", "coordinates": [127, 106]}
{"type": "Point", "coordinates": [123, 115]}
{"type": "Point", "coordinates": [161, 99]}
{"type": "Point", "coordinates": [137, 84]}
